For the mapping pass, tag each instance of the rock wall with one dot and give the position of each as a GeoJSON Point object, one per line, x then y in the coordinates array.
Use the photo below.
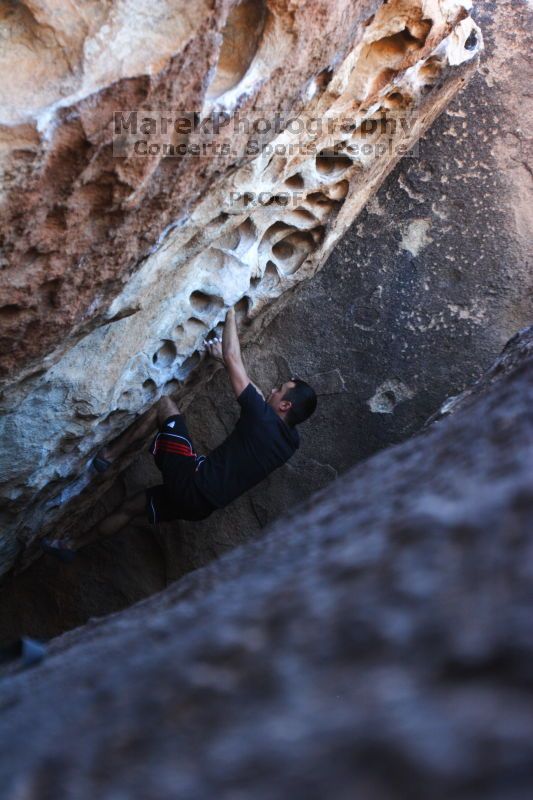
{"type": "Point", "coordinates": [375, 643]}
{"type": "Point", "coordinates": [115, 266]}
{"type": "Point", "coordinates": [413, 304]}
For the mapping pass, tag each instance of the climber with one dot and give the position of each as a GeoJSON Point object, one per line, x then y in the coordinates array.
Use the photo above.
{"type": "Point", "coordinates": [264, 438]}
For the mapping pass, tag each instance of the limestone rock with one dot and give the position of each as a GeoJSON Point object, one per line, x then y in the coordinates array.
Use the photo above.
{"type": "Point", "coordinates": [115, 266]}
{"type": "Point", "coordinates": [375, 643]}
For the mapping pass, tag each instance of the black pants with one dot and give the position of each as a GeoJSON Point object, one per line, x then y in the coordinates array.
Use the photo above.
{"type": "Point", "coordinates": [177, 497]}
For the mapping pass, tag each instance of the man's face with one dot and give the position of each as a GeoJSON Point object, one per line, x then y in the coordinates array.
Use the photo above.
{"type": "Point", "coordinates": [275, 398]}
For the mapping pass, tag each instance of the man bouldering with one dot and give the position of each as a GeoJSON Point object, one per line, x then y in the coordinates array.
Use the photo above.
{"type": "Point", "coordinates": [264, 438]}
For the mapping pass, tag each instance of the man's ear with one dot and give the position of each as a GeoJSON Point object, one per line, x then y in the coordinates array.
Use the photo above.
{"type": "Point", "coordinates": [285, 405]}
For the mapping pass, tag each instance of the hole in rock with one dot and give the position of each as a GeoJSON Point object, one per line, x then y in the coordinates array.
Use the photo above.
{"type": "Point", "coordinates": [431, 69]}
{"type": "Point", "coordinates": [242, 309]}
{"type": "Point", "coordinates": [171, 387]}
{"type": "Point", "coordinates": [150, 386]}
{"type": "Point", "coordinates": [320, 204]}
{"type": "Point", "coordinates": [402, 42]}
{"type": "Point", "coordinates": [68, 442]}
{"type": "Point", "coordinates": [277, 231]}
{"type": "Point", "coordinates": [318, 198]}
{"type": "Point", "coordinates": [294, 249]}
{"type": "Point", "coordinates": [10, 312]}
{"type": "Point", "coordinates": [396, 100]}
{"type": "Point", "coordinates": [271, 272]}
{"type": "Point", "coordinates": [277, 200]}
{"type": "Point", "coordinates": [277, 228]}
{"type": "Point", "coordinates": [215, 332]}
{"type": "Point", "coordinates": [230, 240]}
{"type": "Point", "coordinates": [329, 162]}
{"type": "Point", "coordinates": [295, 181]}
{"type": "Point", "coordinates": [194, 326]}
{"type": "Point", "coordinates": [247, 229]}
{"type": "Point", "coordinates": [283, 249]}
{"type": "Point", "coordinates": [49, 292]}
{"type": "Point", "coordinates": [269, 278]}
{"type": "Point", "coordinates": [339, 190]}
{"type": "Point", "coordinates": [419, 30]}
{"type": "Point", "coordinates": [323, 78]}
{"type": "Point", "coordinates": [166, 354]}
{"type": "Point", "coordinates": [203, 302]}
{"type": "Point", "coordinates": [382, 79]}
{"type": "Point", "coordinates": [317, 234]}
{"type": "Point", "coordinates": [302, 216]}
{"type": "Point", "coordinates": [84, 410]}
{"type": "Point", "coordinates": [183, 372]}
{"type": "Point", "coordinates": [125, 312]}
{"type": "Point", "coordinates": [221, 219]}
{"type": "Point", "coordinates": [471, 42]}
{"type": "Point", "coordinates": [241, 238]}
{"type": "Point", "coordinates": [380, 60]}
{"type": "Point", "coordinates": [240, 40]}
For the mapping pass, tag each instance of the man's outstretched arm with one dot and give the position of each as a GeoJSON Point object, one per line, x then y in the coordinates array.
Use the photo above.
{"type": "Point", "coordinates": [230, 354]}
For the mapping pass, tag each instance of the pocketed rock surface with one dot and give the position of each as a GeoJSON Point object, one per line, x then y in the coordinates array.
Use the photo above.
{"type": "Point", "coordinates": [414, 303]}
{"type": "Point", "coordinates": [375, 643]}
{"type": "Point", "coordinates": [384, 335]}
{"type": "Point", "coordinates": [116, 265]}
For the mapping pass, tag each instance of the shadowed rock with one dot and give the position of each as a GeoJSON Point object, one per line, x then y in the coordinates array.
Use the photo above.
{"type": "Point", "coordinates": [375, 643]}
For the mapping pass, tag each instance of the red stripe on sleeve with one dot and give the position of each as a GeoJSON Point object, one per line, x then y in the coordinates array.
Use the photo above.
{"type": "Point", "coordinates": [177, 449]}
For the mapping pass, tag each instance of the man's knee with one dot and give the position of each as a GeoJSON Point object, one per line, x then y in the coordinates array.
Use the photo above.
{"type": "Point", "coordinates": [166, 408]}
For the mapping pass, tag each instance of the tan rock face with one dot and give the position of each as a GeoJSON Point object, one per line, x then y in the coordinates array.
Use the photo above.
{"type": "Point", "coordinates": [115, 265]}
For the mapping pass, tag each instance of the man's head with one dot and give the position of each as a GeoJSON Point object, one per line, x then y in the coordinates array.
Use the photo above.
{"type": "Point", "coordinates": [294, 401]}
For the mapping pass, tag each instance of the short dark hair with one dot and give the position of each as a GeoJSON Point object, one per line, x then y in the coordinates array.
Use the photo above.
{"type": "Point", "coordinates": [303, 399]}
